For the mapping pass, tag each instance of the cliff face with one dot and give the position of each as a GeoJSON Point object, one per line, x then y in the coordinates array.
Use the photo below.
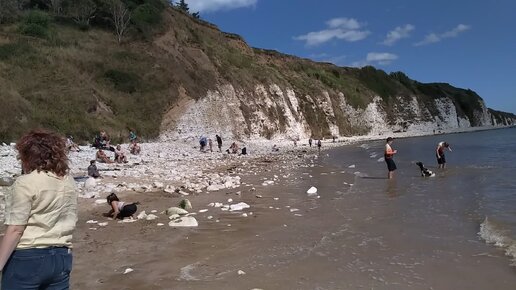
{"type": "Point", "coordinates": [192, 79]}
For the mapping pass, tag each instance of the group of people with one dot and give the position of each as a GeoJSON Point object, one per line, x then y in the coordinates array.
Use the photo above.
{"type": "Point", "coordinates": [389, 155]}
{"type": "Point", "coordinates": [317, 142]}
{"type": "Point", "coordinates": [205, 143]}
{"type": "Point", "coordinates": [102, 142]}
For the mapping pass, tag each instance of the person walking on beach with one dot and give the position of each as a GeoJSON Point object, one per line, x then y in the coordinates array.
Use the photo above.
{"type": "Point", "coordinates": [388, 156]}
{"type": "Point", "coordinates": [319, 145]}
{"type": "Point", "coordinates": [439, 153]}
{"type": "Point", "coordinates": [210, 143]}
{"type": "Point", "coordinates": [219, 142]}
{"type": "Point", "coordinates": [310, 141]}
{"type": "Point", "coordinates": [40, 214]}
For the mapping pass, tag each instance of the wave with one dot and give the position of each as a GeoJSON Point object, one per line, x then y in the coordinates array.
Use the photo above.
{"type": "Point", "coordinates": [495, 234]}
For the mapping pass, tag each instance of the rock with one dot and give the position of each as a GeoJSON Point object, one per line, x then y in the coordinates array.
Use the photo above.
{"type": "Point", "coordinates": [175, 210]}
{"type": "Point", "coordinates": [238, 206]}
{"type": "Point", "coordinates": [203, 210]}
{"type": "Point", "coordinates": [91, 194]}
{"type": "Point", "coordinates": [157, 184]}
{"type": "Point", "coordinates": [100, 201]}
{"type": "Point", "coordinates": [230, 200]}
{"type": "Point", "coordinates": [188, 221]}
{"type": "Point", "coordinates": [90, 183]}
{"type": "Point", "coordinates": [174, 216]}
{"type": "Point", "coordinates": [185, 204]}
{"type": "Point", "coordinates": [240, 272]}
{"type": "Point", "coordinates": [103, 224]}
{"type": "Point", "coordinates": [352, 166]}
{"type": "Point", "coordinates": [259, 196]}
{"type": "Point", "coordinates": [160, 224]}
{"type": "Point", "coordinates": [312, 191]}
{"type": "Point", "coordinates": [151, 217]}
{"type": "Point", "coordinates": [128, 270]}
{"type": "Point", "coordinates": [6, 181]}
{"type": "Point", "coordinates": [92, 222]}
{"type": "Point", "coordinates": [169, 189]}
{"type": "Point", "coordinates": [142, 215]}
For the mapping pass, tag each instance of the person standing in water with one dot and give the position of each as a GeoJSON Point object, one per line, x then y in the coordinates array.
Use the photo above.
{"type": "Point", "coordinates": [388, 156]}
{"type": "Point", "coordinates": [439, 153]}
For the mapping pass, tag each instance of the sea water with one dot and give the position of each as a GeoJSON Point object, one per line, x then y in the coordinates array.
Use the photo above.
{"type": "Point", "coordinates": [460, 222]}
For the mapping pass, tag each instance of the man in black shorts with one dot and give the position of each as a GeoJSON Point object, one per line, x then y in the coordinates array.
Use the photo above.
{"type": "Point", "coordinates": [388, 156]}
{"type": "Point", "coordinates": [439, 153]}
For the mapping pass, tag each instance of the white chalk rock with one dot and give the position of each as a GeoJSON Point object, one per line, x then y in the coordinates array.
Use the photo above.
{"type": "Point", "coordinates": [352, 166]}
{"type": "Point", "coordinates": [312, 191]}
{"type": "Point", "coordinates": [90, 183]}
{"type": "Point", "coordinates": [203, 210]}
{"type": "Point", "coordinates": [100, 201]}
{"type": "Point", "coordinates": [175, 210]}
{"type": "Point", "coordinates": [239, 206]}
{"type": "Point", "coordinates": [240, 272]}
{"type": "Point", "coordinates": [92, 222]}
{"type": "Point", "coordinates": [142, 215]}
{"type": "Point", "coordinates": [174, 216]}
{"type": "Point", "coordinates": [169, 189]}
{"type": "Point", "coordinates": [187, 221]}
{"type": "Point", "coordinates": [128, 270]}
{"type": "Point", "coordinates": [151, 217]}
{"type": "Point", "coordinates": [157, 184]}
{"type": "Point", "coordinates": [103, 224]}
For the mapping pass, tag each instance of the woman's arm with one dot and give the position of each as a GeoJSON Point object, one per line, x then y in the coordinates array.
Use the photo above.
{"type": "Point", "coordinates": [114, 207]}
{"type": "Point", "coordinates": [9, 242]}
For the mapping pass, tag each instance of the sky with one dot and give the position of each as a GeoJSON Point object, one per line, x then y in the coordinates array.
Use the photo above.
{"type": "Point", "coordinates": [469, 44]}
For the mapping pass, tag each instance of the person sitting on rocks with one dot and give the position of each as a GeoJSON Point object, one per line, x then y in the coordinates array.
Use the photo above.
{"type": "Point", "coordinates": [104, 141]}
{"type": "Point", "coordinates": [120, 209]}
{"type": "Point", "coordinates": [71, 145]}
{"type": "Point", "coordinates": [244, 151]}
{"type": "Point", "coordinates": [233, 149]}
{"type": "Point", "coordinates": [120, 156]}
{"type": "Point", "coordinates": [92, 170]}
{"type": "Point", "coordinates": [134, 148]}
{"type": "Point", "coordinates": [102, 157]}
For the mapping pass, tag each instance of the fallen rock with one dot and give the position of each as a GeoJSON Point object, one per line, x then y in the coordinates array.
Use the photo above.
{"type": "Point", "coordinates": [6, 181]}
{"type": "Point", "coordinates": [312, 191]}
{"type": "Point", "coordinates": [128, 270]}
{"type": "Point", "coordinates": [187, 221]}
{"type": "Point", "coordinates": [239, 206]}
{"type": "Point", "coordinates": [142, 215]}
{"type": "Point", "coordinates": [175, 210]}
{"type": "Point", "coordinates": [151, 217]}
{"type": "Point", "coordinates": [90, 183]}
{"type": "Point", "coordinates": [185, 204]}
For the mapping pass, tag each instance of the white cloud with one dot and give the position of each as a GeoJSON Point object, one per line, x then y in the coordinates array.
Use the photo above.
{"type": "Point", "coordinates": [398, 33]}
{"type": "Point", "coordinates": [433, 38]}
{"type": "Point", "coordinates": [382, 58]}
{"type": "Point", "coordinates": [376, 58]}
{"type": "Point", "coordinates": [347, 29]}
{"type": "Point", "coordinates": [214, 5]}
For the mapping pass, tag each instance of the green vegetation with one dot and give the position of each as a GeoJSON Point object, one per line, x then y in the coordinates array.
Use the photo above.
{"type": "Point", "coordinates": [73, 66]}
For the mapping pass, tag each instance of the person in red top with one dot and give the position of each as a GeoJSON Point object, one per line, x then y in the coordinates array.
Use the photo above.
{"type": "Point", "coordinates": [388, 156]}
{"type": "Point", "coordinates": [439, 153]}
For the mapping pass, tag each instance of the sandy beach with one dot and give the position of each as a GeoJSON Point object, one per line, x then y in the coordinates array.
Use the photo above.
{"type": "Point", "coordinates": [283, 238]}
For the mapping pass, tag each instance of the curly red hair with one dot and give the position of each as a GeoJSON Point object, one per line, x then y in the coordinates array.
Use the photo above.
{"type": "Point", "coordinates": [43, 150]}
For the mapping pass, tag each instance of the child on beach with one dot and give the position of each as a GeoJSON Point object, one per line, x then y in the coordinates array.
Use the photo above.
{"type": "Point", "coordinates": [134, 148]}
{"type": "Point", "coordinates": [92, 170]}
{"type": "Point", "coordinates": [120, 209]}
{"type": "Point", "coordinates": [219, 142]}
{"type": "Point", "coordinates": [388, 156]}
{"type": "Point", "coordinates": [439, 153]}
{"type": "Point", "coordinates": [120, 156]}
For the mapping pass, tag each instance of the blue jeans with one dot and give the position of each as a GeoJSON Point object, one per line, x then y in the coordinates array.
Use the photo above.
{"type": "Point", "coordinates": [38, 269]}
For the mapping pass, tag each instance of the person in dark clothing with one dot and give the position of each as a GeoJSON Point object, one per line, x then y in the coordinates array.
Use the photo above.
{"type": "Point", "coordinates": [120, 209]}
{"type": "Point", "coordinates": [92, 170]}
{"type": "Point", "coordinates": [310, 142]}
{"type": "Point", "coordinates": [219, 142]}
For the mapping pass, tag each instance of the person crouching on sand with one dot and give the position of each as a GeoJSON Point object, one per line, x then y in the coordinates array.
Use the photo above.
{"type": "Point", "coordinates": [389, 154]}
{"type": "Point", "coordinates": [120, 209]}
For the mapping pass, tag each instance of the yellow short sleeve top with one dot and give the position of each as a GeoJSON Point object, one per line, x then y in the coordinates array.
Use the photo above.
{"type": "Point", "coordinates": [47, 205]}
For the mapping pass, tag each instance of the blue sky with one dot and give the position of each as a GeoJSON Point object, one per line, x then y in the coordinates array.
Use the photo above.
{"type": "Point", "coordinates": [469, 44]}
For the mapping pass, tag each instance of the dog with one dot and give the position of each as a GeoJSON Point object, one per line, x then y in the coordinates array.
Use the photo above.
{"type": "Point", "coordinates": [425, 172]}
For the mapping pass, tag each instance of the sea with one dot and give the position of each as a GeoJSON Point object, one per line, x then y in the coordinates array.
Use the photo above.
{"type": "Point", "coordinates": [456, 230]}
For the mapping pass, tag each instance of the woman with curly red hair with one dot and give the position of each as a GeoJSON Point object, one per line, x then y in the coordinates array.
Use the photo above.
{"type": "Point", "coordinates": [40, 214]}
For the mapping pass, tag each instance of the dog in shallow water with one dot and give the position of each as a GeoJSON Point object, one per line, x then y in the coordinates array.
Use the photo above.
{"type": "Point", "coordinates": [425, 172]}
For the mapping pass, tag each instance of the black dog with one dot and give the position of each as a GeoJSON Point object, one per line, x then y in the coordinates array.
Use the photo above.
{"type": "Point", "coordinates": [424, 171]}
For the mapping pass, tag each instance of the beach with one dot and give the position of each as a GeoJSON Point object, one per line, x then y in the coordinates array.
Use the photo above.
{"type": "Point", "coordinates": [359, 231]}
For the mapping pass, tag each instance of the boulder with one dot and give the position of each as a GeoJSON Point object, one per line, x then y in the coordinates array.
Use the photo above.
{"type": "Point", "coordinates": [6, 181]}
{"type": "Point", "coordinates": [175, 210]}
{"type": "Point", "coordinates": [188, 221]}
{"type": "Point", "coordinates": [90, 183]}
{"type": "Point", "coordinates": [185, 204]}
